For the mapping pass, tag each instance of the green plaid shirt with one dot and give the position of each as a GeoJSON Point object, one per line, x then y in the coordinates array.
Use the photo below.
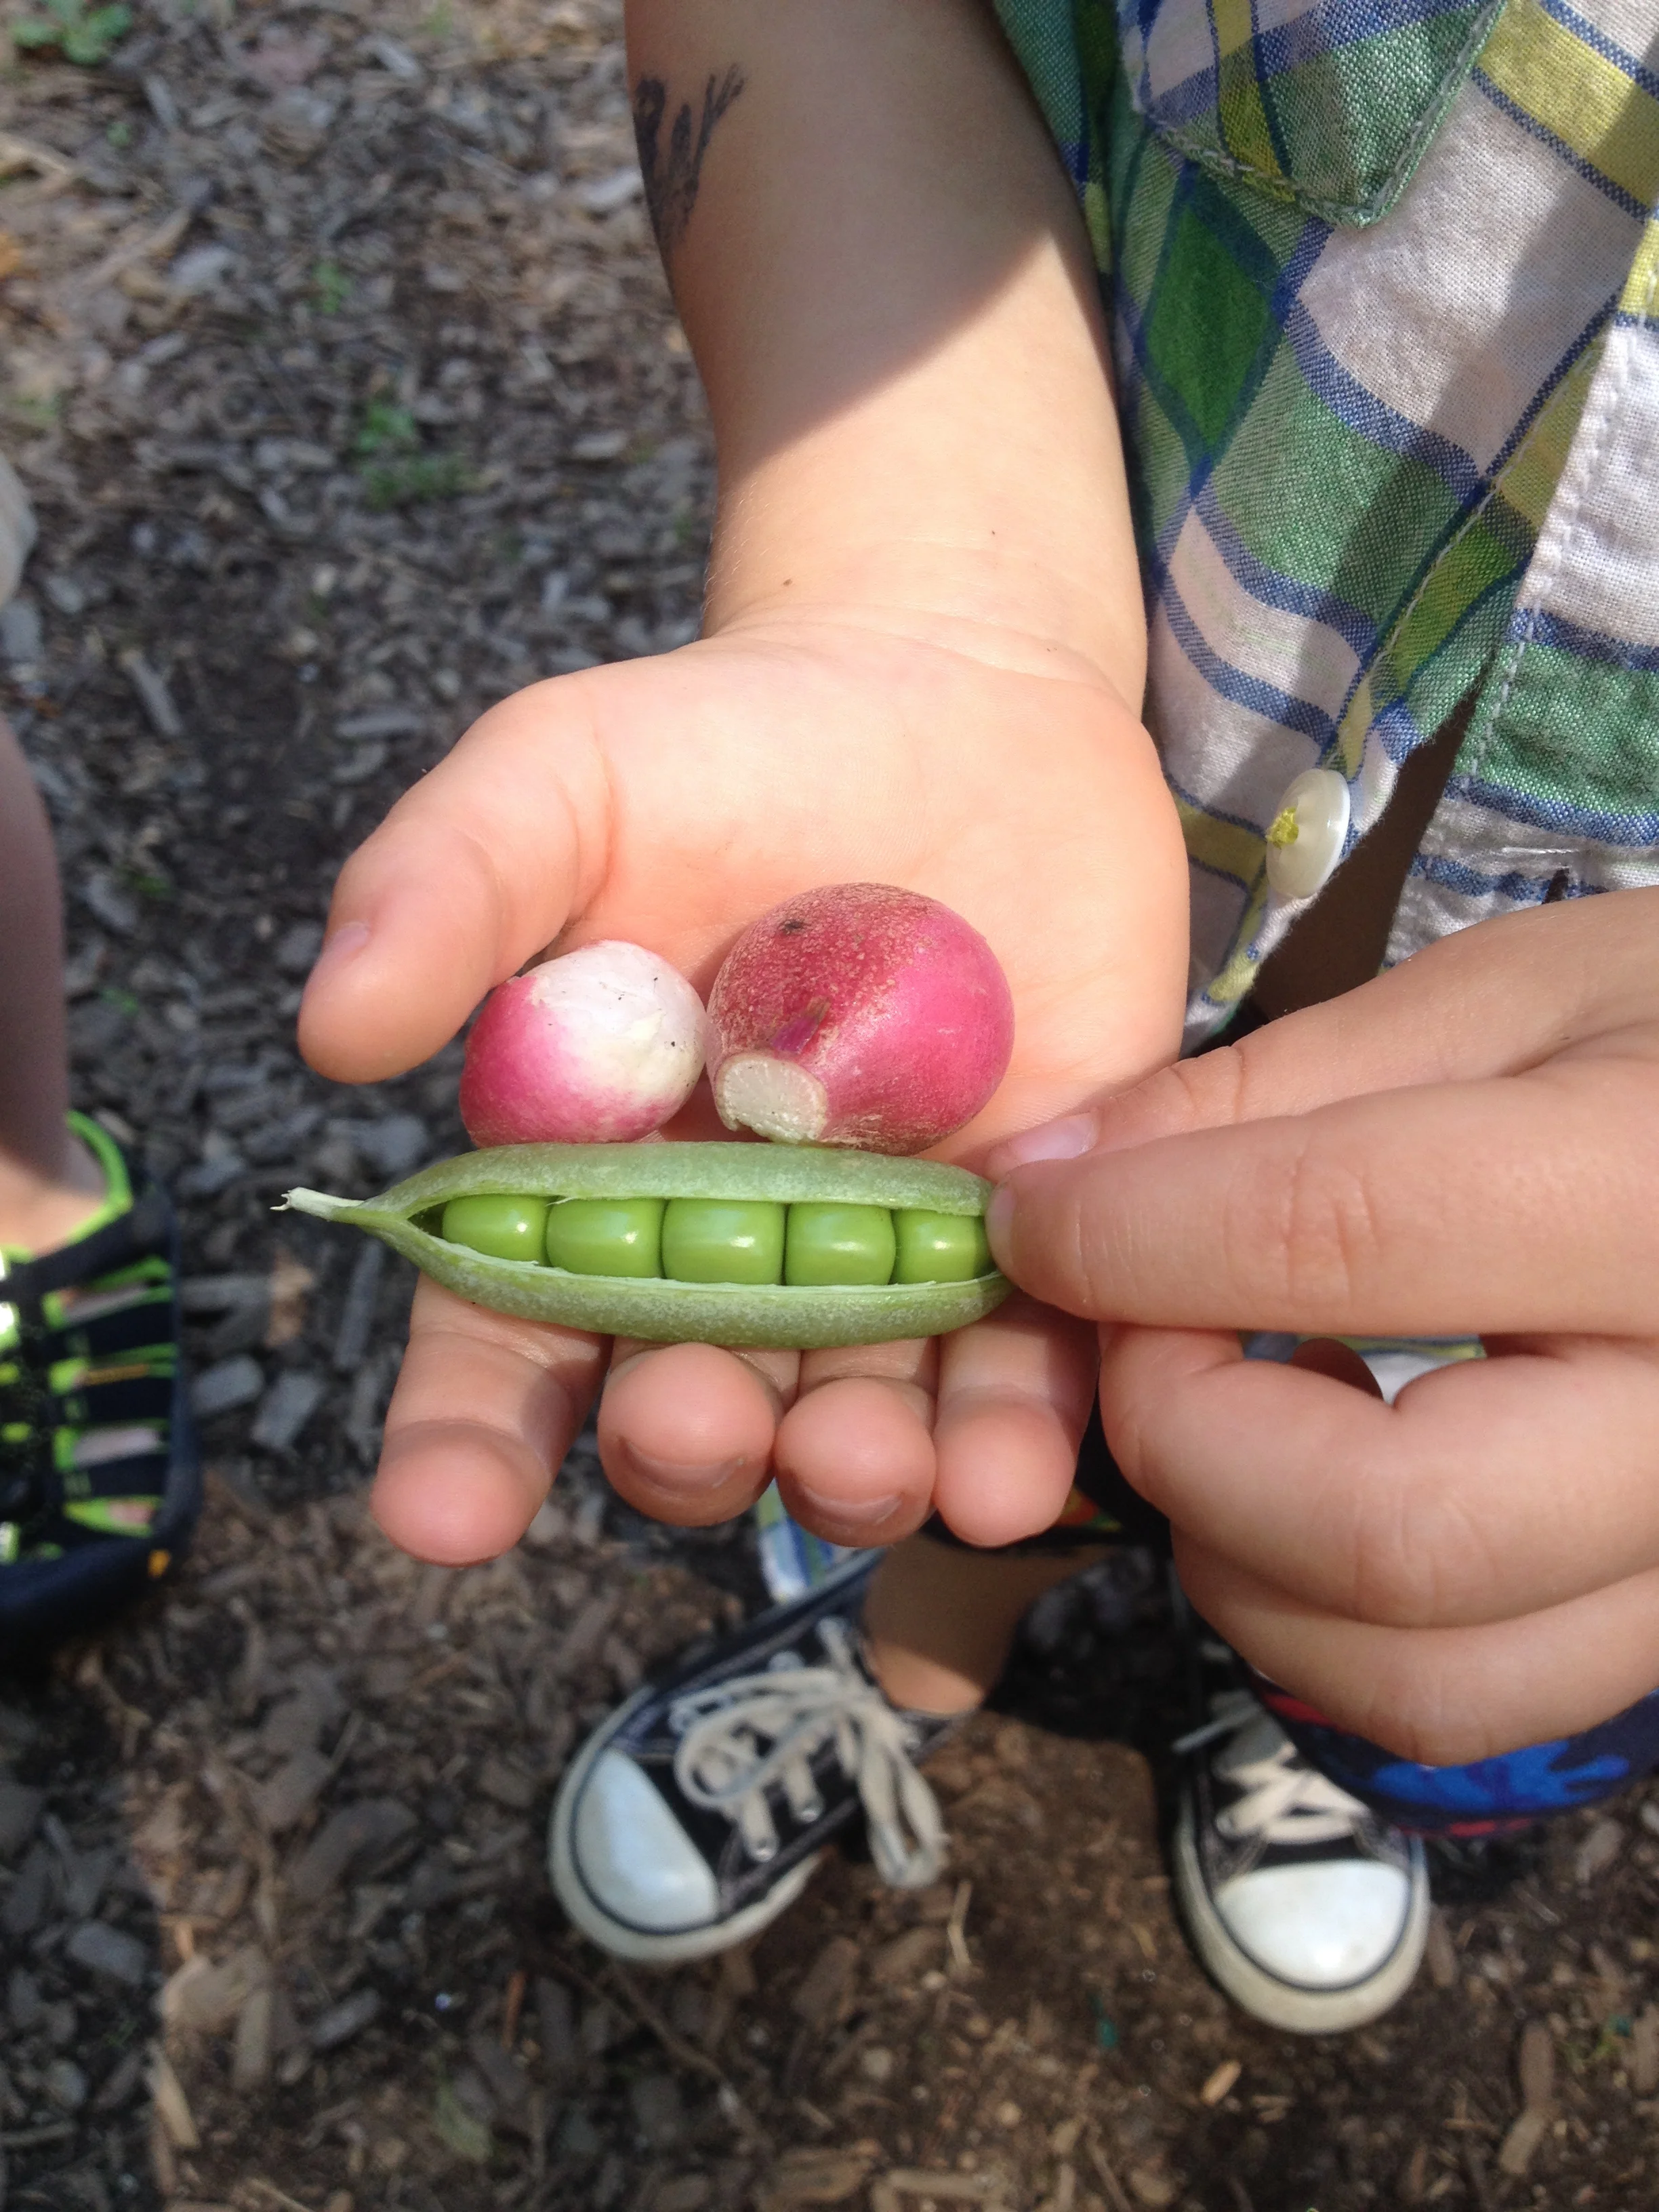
{"type": "Point", "coordinates": [1384, 283]}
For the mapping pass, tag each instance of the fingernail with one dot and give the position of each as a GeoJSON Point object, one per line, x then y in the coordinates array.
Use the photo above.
{"type": "Point", "coordinates": [680, 1477]}
{"type": "Point", "coordinates": [999, 1221]}
{"type": "Point", "coordinates": [347, 942]}
{"type": "Point", "coordinates": [850, 1512]}
{"type": "Point", "coordinates": [1055, 1140]}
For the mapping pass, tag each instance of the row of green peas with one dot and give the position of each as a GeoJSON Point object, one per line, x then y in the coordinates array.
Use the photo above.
{"type": "Point", "coordinates": [716, 1240]}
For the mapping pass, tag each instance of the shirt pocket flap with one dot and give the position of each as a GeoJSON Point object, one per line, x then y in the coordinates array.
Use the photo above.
{"type": "Point", "coordinates": [1327, 103]}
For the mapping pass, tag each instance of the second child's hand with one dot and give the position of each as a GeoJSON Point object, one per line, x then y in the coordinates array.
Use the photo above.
{"type": "Point", "coordinates": [1469, 1143]}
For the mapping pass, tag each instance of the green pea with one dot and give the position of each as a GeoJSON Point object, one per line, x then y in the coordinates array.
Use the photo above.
{"type": "Point", "coordinates": [606, 1235]}
{"type": "Point", "coordinates": [826, 1243]}
{"type": "Point", "coordinates": [711, 1240]}
{"type": "Point", "coordinates": [940, 1247]}
{"type": "Point", "coordinates": [505, 1227]}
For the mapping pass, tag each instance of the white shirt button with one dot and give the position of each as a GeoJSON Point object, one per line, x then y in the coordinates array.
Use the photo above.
{"type": "Point", "coordinates": [1305, 840]}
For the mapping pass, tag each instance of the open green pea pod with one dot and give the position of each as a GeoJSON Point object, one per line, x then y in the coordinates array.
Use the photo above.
{"type": "Point", "coordinates": [723, 1244]}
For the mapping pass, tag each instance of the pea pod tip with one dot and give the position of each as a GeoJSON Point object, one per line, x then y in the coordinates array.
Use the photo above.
{"type": "Point", "coordinates": [322, 1203]}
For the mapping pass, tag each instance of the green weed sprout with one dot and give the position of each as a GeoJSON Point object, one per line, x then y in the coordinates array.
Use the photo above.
{"type": "Point", "coordinates": [84, 35]}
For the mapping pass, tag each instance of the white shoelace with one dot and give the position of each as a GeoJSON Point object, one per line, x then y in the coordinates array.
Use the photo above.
{"type": "Point", "coordinates": [1285, 1801]}
{"type": "Point", "coordinates": [741, 1737]}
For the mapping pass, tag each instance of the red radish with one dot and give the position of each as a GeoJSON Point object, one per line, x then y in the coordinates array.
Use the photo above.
{"type": "Point", "coordinates": [597, 1047]}
{"type": "Point", "coordinates": [859, 1014]}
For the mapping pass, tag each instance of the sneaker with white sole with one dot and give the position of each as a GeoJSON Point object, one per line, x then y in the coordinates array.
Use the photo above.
{"type": "Point", "coordinates": [1308, 1910]}
{"type": "Point", "coordinates": [698, 1813]}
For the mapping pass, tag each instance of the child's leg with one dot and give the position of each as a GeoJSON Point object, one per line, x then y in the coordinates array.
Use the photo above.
{"type": "Point", "coordinates": [49, 1183]}
{"type": "Point", "coordinates": [939, 1620]}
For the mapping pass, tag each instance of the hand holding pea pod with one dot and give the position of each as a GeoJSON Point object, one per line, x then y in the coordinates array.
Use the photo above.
{"type": "Point", "coordinates": [671, 800]}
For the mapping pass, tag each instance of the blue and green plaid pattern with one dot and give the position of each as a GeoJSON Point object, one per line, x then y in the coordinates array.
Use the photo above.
{"type": "Point", "coordinates": [1384, 280]}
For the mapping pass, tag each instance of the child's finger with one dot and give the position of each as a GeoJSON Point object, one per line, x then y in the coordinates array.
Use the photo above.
{"type": "Point", "coordinates": [686, 1431]}
{"type": "Point", "coordinates": [474, 869]}
{"type": "Point", "coordinates": [1490, 1489]}
{"type": "Point", "coordinates": [1491, 1002]}
{"type": "Point", "coordinates": [1446, 1697]}
{"type": "Point", "coordinates": [484, 1411]}
{"type": "Point", "coordinates": [855, 1452]}
{"type": "Point", "coordinates": [1518, 1204]}
{"type": "Point", "coordinates": [1014, 1397]}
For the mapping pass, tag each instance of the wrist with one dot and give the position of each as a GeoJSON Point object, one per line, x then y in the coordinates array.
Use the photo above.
{"type": "Point", "coordinates": [988, 603]}
{"type": "Point", "coordinates": [917, 510]}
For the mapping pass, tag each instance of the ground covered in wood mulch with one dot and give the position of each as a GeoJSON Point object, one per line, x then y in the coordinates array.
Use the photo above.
{"type": "Point", "coordinates": [338, 364]}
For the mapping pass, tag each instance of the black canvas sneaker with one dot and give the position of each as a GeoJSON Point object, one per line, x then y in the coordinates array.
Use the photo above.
{"type": "Point", "coordinates": [1308, 1910]}
{"type": "Point", "coordinates": [698, 1813]}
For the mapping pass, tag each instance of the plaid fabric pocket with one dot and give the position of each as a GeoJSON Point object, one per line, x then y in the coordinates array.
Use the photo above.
{"type": "Point", "coordinates": [1328, 104]}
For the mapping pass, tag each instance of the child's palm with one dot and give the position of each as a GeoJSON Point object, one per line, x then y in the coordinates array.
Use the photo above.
{"type": "Point", "coordinates": [671, 800]}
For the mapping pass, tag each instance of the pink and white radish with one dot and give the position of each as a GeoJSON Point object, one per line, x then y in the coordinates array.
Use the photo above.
{"type": "Point", "coordinates": [597, 1047]}
{"type": "Point", "coordinates": [859, 1014]}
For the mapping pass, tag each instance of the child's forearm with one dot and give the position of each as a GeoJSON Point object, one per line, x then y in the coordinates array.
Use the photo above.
{"type": "Point", "coordinates": [884, 279]}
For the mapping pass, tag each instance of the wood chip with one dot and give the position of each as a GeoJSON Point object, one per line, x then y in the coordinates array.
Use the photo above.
{"type": "Point", "coordinates": [947, 2188]}
{"type": "Point", "coordinates": [812, 2176]}
{"type": "Point", "coordinates": [1414, 2181]}
{"type": "Point", "coordinates": [1522, 2140]}
{"type": "Point", "coordinates": [357, 1314]}
{"type": "Point", "coordinates": [1219, 2083]}
{"type": "Point", "coordinates": [251, 2060]}
{"type": "Point", "coordinates": [1442, 1952]}
{"type": "Point", "coordinates": [956, 1929]}
{"type": "Point", "coordinates": [370, 1826]}
{"type": "Point", "coordinates": [506, 1784]}
{"type": "Point", "coordinates": [902, 1961]}
{"type": "Point", "coordinates": [273, 2195]}
{"type": "Point", "coordinates": [171, 2105]}
{"type": "Point", "coordinates": [1645, 2052]}
{"type": "Point", "coordinates": [1154, 2189]}
{"type": "Point", "coordinates": [291, 1284]}
{"type": "Point", "coordinates": [1536, 2067]}
{"type": "Point", "coordinates": [1117, 2196]}
{"type": "Point", "coordinates": [341, 2021]}
{"type": "Point", "coordinates": [153, 695]}
{"type": "Point", "coordinates": [290, 1793]}
{"type": "Point", "coordinates": [207, 1997]}
{"type": "Point", "coordinates": [17, 153]}
{"type": "Point", "coordinates": [737, 1970]}
{"type": "Point", "coordinates": [825, 1986]}
{"type": "Point", "coordinates": [1063, 2195]}
{"type": "Point", "coordinates": [1598, 1851]}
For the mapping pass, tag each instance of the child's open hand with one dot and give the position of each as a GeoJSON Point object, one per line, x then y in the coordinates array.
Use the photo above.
{"type": "Point", "coordinates": [669, 801]}
{"type": "Point", "coordinates": [1470, 1143]}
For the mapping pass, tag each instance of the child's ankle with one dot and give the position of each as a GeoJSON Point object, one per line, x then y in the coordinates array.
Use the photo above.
{"type": "Point", "coordinates": [921, 1685]}
{"type": "Point", "coordinates": [41, 1209]}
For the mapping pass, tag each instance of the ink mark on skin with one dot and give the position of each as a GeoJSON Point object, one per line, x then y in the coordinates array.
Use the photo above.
{"type": "Point", "coordinates": [673, 172]}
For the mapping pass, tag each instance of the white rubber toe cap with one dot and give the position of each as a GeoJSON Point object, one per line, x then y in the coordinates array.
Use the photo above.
{"type": "Point", "coordinates": [1319, 1927]}
{"type": "Point", "coordinates": [633, 1856]}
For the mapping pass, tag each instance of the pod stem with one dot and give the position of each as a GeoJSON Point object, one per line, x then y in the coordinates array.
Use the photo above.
{"type": "Point", "coordinates": [320, 1202]}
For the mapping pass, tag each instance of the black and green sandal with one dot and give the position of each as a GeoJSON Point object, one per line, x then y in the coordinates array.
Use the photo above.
{"type": "Point", "coordinates": [101, 1481]}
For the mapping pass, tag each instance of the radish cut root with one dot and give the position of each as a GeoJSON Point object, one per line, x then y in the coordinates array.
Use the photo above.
{"type": "Point", "coordinates": [776, 1098]}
